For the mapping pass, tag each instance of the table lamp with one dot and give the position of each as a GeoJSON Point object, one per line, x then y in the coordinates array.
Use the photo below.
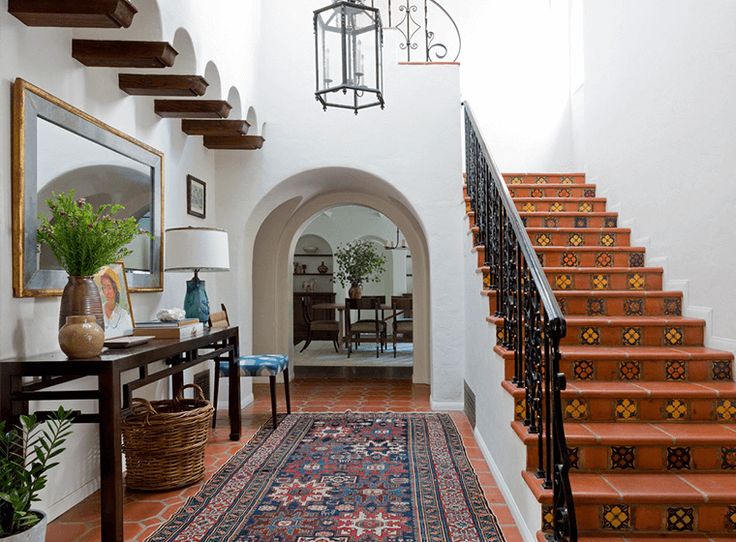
{"type": "Point", "coordinates": [196, 249]}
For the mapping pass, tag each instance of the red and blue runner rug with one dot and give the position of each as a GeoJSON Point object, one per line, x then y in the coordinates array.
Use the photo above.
{"type": "Point", "coordinates": [349, 477]}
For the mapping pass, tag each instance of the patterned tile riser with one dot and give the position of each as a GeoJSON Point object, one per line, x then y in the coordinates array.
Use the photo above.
{"type": "Point", "coordinates": [606, 279]}
{"type": "Point", "coordinates": [646, 459]}
{"type": "Point", "coordinates": [650, 370]}
{"type": "Point", "coordinates": [598, 258]}
{"type": "Point", "coordinates": [653, 519]}
{"type": "Point", "coordinates": [721, 410]}
{"type": "Point", "coordinates": [582, 239]}
{"type": "Point", "coordinates": [635, 304]}
{"type": "Point", "coordinates": [560, 205]}
{"type": "Point", "coordinates": [624, 335]}
{"type": "Point", "coordinates": [552, 191]}
{"type": "Point", "coordinates": [581, 220]}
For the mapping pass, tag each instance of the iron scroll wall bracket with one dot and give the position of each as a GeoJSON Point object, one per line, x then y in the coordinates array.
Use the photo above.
{"type": "Point", "coordinates": [428, 31]}
{"type": "Point", "coordinates": [533, 324]}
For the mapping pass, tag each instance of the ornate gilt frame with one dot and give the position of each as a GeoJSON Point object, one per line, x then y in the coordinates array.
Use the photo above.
{"type": "Point", "coordinates": [19, 203]}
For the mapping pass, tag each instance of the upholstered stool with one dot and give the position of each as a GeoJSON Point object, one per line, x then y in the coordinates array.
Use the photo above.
{"type": "Point", "coordinates": [269, 365]}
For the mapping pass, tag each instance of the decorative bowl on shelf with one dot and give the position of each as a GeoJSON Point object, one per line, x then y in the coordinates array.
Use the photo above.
{"type": "Point", "coordinates": [310, 249]}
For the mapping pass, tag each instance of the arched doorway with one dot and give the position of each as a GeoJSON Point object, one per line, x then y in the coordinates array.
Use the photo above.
{"type": "Point", "coordinates": [288, 209]}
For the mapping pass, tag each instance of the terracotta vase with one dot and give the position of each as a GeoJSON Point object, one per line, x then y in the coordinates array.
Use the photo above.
{"type": "Point", "coordinates": [81, 337]}
{"type": "Point", "coordinates": [356, 291]}
{"type": "Point", "coordinates": [81, 298]}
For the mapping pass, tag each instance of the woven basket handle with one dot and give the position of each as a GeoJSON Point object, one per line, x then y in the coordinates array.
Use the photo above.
{"type": "Point", "coordinates": [197, 390]}
{"type": "Point", "coordinates": [142, 407]}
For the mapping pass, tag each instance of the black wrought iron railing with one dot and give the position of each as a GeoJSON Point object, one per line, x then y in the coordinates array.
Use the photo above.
{"type": "Point", "coordinates": [428, 31]}
{"type": "Point", "coordinates": [533, 324]}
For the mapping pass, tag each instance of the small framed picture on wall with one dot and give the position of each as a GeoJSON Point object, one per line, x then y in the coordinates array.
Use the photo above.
{"type": "Point", "coordinates": [196, 197]}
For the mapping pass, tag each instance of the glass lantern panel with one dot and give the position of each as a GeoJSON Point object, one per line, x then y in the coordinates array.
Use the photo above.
{"type": "Point", "coordinates": [329, 49]}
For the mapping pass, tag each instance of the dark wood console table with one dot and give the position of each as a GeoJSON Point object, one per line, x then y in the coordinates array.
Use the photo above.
{"type": "Point", "coordinates": [112, 397]}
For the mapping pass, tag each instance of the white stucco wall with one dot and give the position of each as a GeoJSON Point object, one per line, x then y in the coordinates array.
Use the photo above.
{"type": "Point", "coordinates": [222, 46]}
{"type": "Point", "coordinates": [658, 135]}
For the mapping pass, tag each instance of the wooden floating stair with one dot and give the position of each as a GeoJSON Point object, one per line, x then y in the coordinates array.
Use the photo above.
{"type": "Point", "coordinates": [124, 54]}
{"type": "Point", "coordinates": [74, 13]}
{"type": "Point", "coordinates": [245, 143]}
{"type": "Point", "coordinates": [162, 85]}
{"type": "Point", "coordinates": [194, 109]}
{"type": "Point", "coordinates": [215, 127]}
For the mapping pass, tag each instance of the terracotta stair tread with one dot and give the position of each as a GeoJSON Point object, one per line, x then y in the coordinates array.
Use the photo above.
{"type": "Point", "coordinates": [523, 199]}
{"type": "Point", "coordinates": [641, 353]}
{"type": "Point", "coordinates": [560, 269]}
{"type": "Point", "coordinates": [628, 537]}
{"type": "Point", "coordinates": [640, 434]}
{"type": "Point", "coordinates": [664, 488]}
{"type": "Point", "coordinates": [524, 214]}
{"type": "Point", "coordinates": [598, 248]}
{"type": "Point", "coordinates": [553, 186]}
{"type": "Point", "coordinates": [639, 389]}
{"type": "Point", "coordinates": [605, 293]}
{"type": "Point", "coordinates": [541, 229]}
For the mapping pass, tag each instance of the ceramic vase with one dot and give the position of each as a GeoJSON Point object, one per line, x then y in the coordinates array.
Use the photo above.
{"type": "Point", "coordinates": [81, 297]}
{"type": "Point", "coordinates": [37, 533]}
{"type": "Point", "coordinates": [356, 291]}
{"type": "Point", "coordinates": [81, 337]}
{"type": "Point", "coordinates": [322, 268]}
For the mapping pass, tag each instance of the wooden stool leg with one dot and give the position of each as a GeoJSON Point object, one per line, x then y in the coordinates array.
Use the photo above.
{"type": "Point", "coordinates": [217, 392]}
{"type": "Point", "coordinates": [286, 390]}
{"type": "Point", "coordinates": [272, 383]}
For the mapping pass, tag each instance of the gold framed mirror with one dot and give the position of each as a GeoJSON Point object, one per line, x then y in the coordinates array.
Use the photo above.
{"type": "Point", "coordinates": [57, 148]}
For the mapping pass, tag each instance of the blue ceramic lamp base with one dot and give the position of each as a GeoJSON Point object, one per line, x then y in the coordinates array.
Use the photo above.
{"type": "Point", "coordinates": [196, 304]}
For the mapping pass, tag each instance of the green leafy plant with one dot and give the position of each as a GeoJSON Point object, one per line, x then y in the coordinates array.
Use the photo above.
{"type": "Point", "coordinates": [83, 238]}
{"type": "Point", "coordinates": [358, 262]}
{"type": "Point", "coordinates": [26, 455]}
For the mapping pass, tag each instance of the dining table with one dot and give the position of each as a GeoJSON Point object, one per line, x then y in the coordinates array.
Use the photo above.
{"type": "Point", "coordinates": [340, 308]}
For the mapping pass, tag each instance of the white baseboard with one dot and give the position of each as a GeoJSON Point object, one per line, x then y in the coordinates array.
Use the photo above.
{"type": "Point", "coordinates": [71, 500]}
{"type": "Point", "coordinates": [524, 530]}
{"type": "Point", "coordinates": [447, 405]}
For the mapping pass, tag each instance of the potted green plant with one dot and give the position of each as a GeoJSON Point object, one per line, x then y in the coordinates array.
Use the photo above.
{"type": "Point", "coordinates": [84, 239]}
{"type": "Point", "coordinates": [27, 452]}
{"type": "Point", "coordinates": [358, 262]}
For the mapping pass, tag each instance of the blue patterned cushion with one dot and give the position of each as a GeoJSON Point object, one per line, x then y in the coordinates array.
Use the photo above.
{"type": "Point", "coordinates": [259, 365]}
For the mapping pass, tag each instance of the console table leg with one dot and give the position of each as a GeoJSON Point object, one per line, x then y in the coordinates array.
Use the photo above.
{"type": "Point", "coordinates": [111, 467]}
{"type": "Point", "coordinates": [233, 401]}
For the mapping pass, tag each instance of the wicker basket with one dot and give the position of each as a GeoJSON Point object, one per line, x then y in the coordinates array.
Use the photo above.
{"type": "Point", "coordinates": [164, 441]}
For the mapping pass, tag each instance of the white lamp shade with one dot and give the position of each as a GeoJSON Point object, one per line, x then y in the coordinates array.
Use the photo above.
{"type": "Point", "coordinates": [201, 249]}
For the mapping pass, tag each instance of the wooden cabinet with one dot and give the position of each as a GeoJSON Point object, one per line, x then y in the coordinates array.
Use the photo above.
{"type": "Point", "coordinates": [300, 326]}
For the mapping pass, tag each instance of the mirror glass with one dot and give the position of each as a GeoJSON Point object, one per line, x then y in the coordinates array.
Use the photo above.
{"type": "Point", "coordinates": [64, 149]}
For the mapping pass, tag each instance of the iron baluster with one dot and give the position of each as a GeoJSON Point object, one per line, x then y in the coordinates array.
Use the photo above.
{"type": "Point", "coordinates": [533, 322]}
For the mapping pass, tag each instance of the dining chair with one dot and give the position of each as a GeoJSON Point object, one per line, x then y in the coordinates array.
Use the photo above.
{"type": "Point", "coordinates": [401, 306]}
{"type": "Point", "coordinates": [330, 328]}
{"type": "Point", "coordinates": [362, 326]}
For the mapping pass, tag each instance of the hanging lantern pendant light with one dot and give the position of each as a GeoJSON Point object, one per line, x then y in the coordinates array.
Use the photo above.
{"type": "Point", "coordinates": [349, 55]}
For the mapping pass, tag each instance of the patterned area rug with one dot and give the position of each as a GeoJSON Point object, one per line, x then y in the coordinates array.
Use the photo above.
{"type": "Point", "coordinates": [346, 477]}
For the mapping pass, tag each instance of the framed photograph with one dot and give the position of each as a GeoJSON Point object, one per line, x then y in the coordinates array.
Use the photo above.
{"type": "Point", "coordinates": [116, 308]}
{"type": "Point", "coordinates": [196, 197]}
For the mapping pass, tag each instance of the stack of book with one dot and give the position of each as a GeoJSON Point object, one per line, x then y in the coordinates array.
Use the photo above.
{"type": "Point", "coordinates": [181, 329]}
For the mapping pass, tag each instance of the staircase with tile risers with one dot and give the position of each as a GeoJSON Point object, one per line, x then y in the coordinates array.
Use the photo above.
{"type": "Point", "coordinates": [650, 413]}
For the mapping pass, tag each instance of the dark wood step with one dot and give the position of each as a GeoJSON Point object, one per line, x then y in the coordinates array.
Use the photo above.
{"type": "Point", "coordinates": [76, 13]}
{"type": "Point", "coordinates": [195, 109]}
{"type": "Point", "coordinates": [124, 54]}
{"type": "Point", "coordinates": [215, 127]}
{"type": "Point", "coordinates": [162, 85]}
{"type": "Point", "coordinates": [245, 143]}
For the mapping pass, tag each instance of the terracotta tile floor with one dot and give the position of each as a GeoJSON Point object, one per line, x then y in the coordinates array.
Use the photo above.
{"type": "Point", "coordinates": [143, 512]}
